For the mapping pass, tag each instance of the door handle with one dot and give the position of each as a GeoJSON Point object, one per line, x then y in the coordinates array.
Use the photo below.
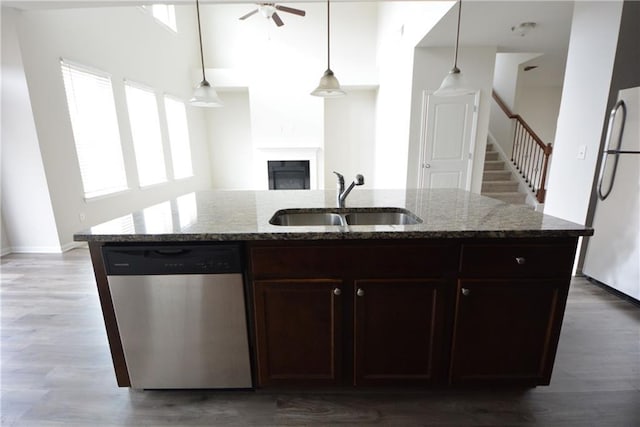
{"type": "Point", "coordinates": [620, 105]}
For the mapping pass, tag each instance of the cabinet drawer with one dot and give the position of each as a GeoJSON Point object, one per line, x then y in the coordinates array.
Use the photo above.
{"type": "Point", "coordinates": [531, 259]}
{"type": "Point", "coordinates": [361, 259]}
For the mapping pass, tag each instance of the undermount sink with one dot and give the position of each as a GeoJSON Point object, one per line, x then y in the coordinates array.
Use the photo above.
{"type": "Point", "coordinates": [344, 216]}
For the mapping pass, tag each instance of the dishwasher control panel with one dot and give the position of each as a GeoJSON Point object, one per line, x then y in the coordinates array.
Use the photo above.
{"type": "Point", "coordinates": [183, 259]}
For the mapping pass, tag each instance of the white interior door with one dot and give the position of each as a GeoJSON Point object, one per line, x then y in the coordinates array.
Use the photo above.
{"type": "Point", "coordinates": [447, 140]}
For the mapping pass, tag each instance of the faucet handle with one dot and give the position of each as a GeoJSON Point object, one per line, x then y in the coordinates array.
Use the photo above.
{"type": "Point", "coordinates": [359, 179]}
{"type": "Point", "coordinates": [340, 178]}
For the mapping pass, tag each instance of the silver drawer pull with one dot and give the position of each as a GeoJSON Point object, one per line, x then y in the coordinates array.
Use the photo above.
{"type": "Point", "coordinates": [520, 260]}
{"type": "Point", "coordinates": [465, 292]}
{"type": "Point", "coordinates": [360, 292]}
{"type": "Point", "coordinates": [337, 291]}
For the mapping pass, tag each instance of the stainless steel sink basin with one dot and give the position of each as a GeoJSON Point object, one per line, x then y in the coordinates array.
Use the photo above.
{"type": "Point", "coordinates": [382, 218]}
{"type": "Point", "coordinates": [344, 216]}
{"type": "Point", "coordinates": [306, 218]}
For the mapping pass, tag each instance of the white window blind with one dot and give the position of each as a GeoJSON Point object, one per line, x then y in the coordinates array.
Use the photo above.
{"type": "Point", "coordinates": [95, 130]}
{"type": "Point", "coordinates": [165, 13]}
{"type": "Point", "coordinates": [178, 138]}
{"type": "Point", "coordinates": [145, 131]}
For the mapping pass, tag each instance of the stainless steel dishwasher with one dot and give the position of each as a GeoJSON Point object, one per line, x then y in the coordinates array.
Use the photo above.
{"type": "Point", "coordinates": [181, 315]}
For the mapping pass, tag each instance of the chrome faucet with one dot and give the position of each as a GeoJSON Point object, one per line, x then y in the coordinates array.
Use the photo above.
{"type": "Point", "coordinates": [342, 193]}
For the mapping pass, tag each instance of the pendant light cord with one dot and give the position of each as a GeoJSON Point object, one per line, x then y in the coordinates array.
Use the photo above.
{"type": "Point", "coordinates": [200, 38]}
{"type": "Point", "coordinates": [328, 37]}
{"type": "Point", "coordinates": [455, 60]}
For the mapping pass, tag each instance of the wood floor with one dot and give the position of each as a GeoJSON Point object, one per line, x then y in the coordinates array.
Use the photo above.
{"type": "Point", "coordinates": [56, 370]}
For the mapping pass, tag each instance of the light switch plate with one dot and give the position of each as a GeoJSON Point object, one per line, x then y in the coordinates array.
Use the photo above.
{"type": "Point", "coordinates": [582, 152]}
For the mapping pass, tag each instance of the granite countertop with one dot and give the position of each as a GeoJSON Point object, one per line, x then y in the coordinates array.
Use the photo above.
{"type": "Point", "coordinates": [244, 215]}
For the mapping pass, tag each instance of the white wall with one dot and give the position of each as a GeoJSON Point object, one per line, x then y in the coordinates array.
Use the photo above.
{"type": "Point", "coordinates": [350, 137]}
{"type": "Point", "coordinates": [282, 65]}
{"type": "Point", "coordinates": [401, 25]}
{"type": "Point", "coordinates": [231, 150]}
{"type": "Point", "coordinates": [127, 43]}
{"type": "Point", "coordinates": [592, 48]}
{"type": "Point", "coordinates": [508, 67]}
{"type": "Point", "coordinates": [26, 208]}
{"type": "Point", "coordinates": [431, 65]}
{"type": "Point", "coordinates": [5, 245]}
{"type": "Point", "coordinates": [539, 107]}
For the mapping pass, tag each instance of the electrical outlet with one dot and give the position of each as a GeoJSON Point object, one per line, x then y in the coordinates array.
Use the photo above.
{"type": "Point", "coordinates": [582, 152]}
{"type": "Point", "coordinates": [82, 216]}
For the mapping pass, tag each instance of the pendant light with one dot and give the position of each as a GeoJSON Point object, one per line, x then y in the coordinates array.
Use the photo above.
{"type": "Point", "coordinates": [204, 95]}
{"type": "Point", "coordinates": [329, 86]}
{"type": "Point", "coordinates": [453, 83]}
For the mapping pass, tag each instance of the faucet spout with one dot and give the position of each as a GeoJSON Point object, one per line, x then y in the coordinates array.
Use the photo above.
{"type": "Point", "coordinates": [342, 193]}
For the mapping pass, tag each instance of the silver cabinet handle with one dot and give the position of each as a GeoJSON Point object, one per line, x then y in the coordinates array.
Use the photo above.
{"type": "Point", "coordinates": [520, 260]}
{"type": "Point", "coordinates": [337, 291]}
{"type": "Point", "coordinates": [465, 292]}
{"type": "Point", "coordinates": [360, 292]}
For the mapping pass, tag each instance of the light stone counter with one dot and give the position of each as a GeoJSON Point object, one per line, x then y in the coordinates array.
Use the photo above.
{"type": "Point", "coordinates": [244, 215]}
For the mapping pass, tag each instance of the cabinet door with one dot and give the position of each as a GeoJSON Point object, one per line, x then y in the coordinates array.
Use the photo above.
{"type": "Point", "coordinates": [398, 331]}
{"type": "Point", "coordinates": [298, 324]}
{"type": "Point", "coordinates": [506, 331]}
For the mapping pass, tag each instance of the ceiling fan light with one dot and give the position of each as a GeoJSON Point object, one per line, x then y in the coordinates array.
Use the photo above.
{"type": "Point", "coordinates": [453, 84]}
{"type": "Point", "coordinates": [329, 86]}
{"type": "Point", "coordinates": [267, 10]}
{"type": "Point", "coordinates": [204, 95]}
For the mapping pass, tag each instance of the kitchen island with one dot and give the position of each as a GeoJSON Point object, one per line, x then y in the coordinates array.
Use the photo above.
{"type": "Point", "coordinates": [473, 293]}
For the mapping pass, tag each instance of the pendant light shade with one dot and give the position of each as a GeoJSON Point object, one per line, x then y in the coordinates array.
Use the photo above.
{"type": "Point", "coordinates": [454, 83]}
{"type": "Point", "coordinates": [204, 95]}
{"type": "Point", "coordinates": [329, 87]}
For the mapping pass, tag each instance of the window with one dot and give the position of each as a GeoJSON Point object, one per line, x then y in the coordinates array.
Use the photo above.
{"type": "Point", "coordinates": [145, 131]}
{"type": "Point", "coordinates": [95, 130]}
{"type": "Point", "coordinates": [165, 13]}
{"type": "Point", "coordinates": [178, 138]}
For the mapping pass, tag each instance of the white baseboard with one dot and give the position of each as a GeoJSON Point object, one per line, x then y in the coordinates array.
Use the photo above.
{"type": "Point", "coordinates": [42, 249]}
{"type": "Point", "coordinates": [35, 249]}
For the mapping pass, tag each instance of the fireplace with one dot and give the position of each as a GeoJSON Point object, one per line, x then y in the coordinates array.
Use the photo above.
{"type": "Point", "coordinates": [289, 174]}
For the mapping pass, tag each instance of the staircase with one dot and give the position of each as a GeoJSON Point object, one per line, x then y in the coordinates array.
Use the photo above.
{"type": "Point", "coordinates": [497, 179]}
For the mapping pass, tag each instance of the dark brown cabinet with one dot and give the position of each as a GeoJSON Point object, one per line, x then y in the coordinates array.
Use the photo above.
{"type": "Point", "coordinates": [328, 314]}
{"type": "Point", "coordinates": [298, 329]}
{"type": "Point", "coordinates": [505, 330]}
{"type": "Point", "coordinates": [410, 312]}
{"type": "Point", "coordinates": [509, 305]}
{"type": "Point", "coordinates": [398, 331]}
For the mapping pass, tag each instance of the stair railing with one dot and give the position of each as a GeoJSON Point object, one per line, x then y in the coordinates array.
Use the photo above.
{"type": "Point", "coordinates": [529, 154]}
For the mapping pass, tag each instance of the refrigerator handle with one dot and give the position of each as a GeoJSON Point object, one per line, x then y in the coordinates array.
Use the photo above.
{"type": "Point", "coordinates": [620, 105]}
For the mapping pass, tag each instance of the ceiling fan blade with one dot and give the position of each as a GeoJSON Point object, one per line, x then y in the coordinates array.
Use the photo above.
{"type": "Point", "coordinates": [277, 20]}
{"type": "Point", "coordinates": [253, 12]}
{"type": "Point", "coordinates": [291, 10]}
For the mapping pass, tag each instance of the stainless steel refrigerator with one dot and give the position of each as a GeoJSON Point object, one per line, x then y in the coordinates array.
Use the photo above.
{"type": "Point", "coordinates": [613, 252]}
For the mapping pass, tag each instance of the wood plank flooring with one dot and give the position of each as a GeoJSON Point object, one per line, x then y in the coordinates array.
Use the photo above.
{"type": "Point", "coordinates": [56, 370]}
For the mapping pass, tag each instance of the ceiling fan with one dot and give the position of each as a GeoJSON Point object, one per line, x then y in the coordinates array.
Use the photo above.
{"type": "Point", "coordinates": [270, 11]}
